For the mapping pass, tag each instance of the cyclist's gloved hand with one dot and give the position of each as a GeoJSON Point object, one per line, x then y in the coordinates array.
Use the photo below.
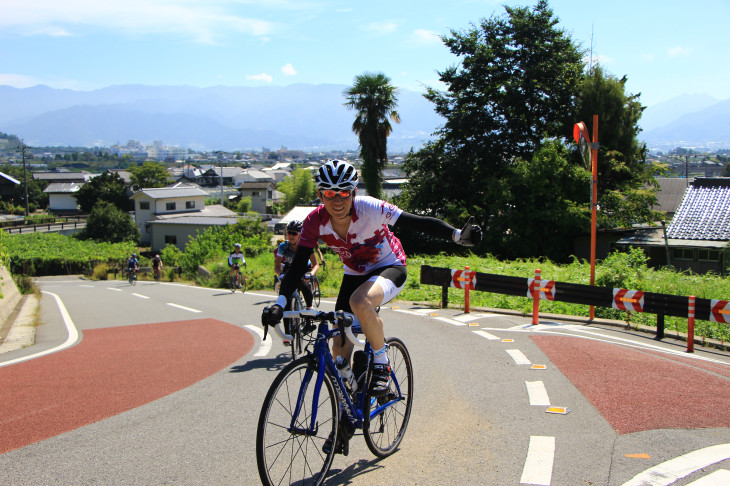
{"type": "Point", "coordinates": [469, 235]}
{"type": "Point", "coordinates": [272, 315]}
{"type": "Point", "coordinates": [307, 276]}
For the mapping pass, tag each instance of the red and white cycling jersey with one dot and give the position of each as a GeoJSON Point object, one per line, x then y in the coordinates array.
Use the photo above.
{"type": "Point", "coordinates": [369, 244]}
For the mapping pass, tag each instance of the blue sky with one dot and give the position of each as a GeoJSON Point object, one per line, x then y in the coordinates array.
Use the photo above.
{"type": "Point", "coordinates": [664, 47]}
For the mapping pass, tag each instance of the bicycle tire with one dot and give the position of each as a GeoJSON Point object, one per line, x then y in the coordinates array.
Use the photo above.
{"type": "Point", "coordinates": [284, 457]}
{"type": "Point", "coordinates": [232, 283]}
{"type": "Point", "coordinates": [295, 326]}
{"type": "Point", "coordinates": [316, 295]}
{"type": "Point", "coordinates": [384, 432]}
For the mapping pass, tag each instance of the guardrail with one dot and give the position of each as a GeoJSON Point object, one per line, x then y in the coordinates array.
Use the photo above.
{"type": "Point", "coordinates": [33, 228]}
{"type": "Point", "coordinates": [536, 288]}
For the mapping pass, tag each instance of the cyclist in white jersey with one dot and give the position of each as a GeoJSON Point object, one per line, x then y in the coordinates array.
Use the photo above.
{"type": "Point", "coordinates": [356, 228]}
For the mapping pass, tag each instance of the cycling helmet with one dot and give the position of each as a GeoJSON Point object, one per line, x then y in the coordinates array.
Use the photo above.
{"type": "Point", "coordinates": [336, 174]}
{"type": "Point", "coordinates": [237, 245]}
{"type": "Point", "coordinates": [134, 255]}
{"type": "Point", "coordinates": [294, 226]}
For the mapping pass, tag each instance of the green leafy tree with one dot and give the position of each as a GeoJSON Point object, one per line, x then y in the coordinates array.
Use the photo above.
{"type": "Point", "coordinates": [107, 187]}
{"type": "Point", "coordinates": [149, 175]}
{"type": "Point", "coordinates": [374, 100]}
{"type": "Point", "coordinates": [299, 188]}
{"type": "Point", "coordinates": [626, 184]}
{"type": "Point", "coordinates": [109, 223]}
{"type": "Point", "coordinates": [514, 87]}
{"type": "Point", "coordinates": [36, 197]}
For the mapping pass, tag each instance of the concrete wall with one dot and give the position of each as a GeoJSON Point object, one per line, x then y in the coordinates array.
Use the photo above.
{"type": "Point", "coordinates": [11, 295]}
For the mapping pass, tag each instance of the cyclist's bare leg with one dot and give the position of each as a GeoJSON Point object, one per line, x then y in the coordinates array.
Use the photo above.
{"type": "Point", "coordinates": [363, 303]}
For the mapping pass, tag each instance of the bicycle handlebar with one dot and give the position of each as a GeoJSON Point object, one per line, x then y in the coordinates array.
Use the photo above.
{"type": "Point", "coordinates": [344, 320]}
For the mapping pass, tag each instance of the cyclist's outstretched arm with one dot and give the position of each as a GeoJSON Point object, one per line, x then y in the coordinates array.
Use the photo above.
{"type": "Point", "coordinates": [469, 235]}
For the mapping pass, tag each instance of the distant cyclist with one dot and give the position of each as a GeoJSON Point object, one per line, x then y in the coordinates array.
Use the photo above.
{"type": "Point", "coordinates": [156, 265]}
{"type": "Point", "coordinates": [284, 255]}
{"type": "Point", "coordinates": [133, 264]}
{"type": "Point", "coordinates": [235, 260]}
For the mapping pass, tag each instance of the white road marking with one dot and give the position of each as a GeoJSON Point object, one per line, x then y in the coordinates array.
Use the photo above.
{"type": "Point", "coordinates": [140, 296]}
{"type": "Point", "coordinates": [537, 393]}
{"type": "Point", "coordinates": [183, 307]}
{"type": "Point", "coordinates": [519, 357]}
{"type": "Point", "coordinates": [718, 478]}
{"type": "Point", "coordinates": [415, 313]}
{"type": "Point", "coordinates": [670, 471]}
{"type": "Point", "coordinates": [112, 288]}
{"type": "Point", "coordinates": [450, 321]}
{"type": "Point", "coordinates": [88, 286]}
{"type": "Point", "coordinates": [471, 317]}
{"type": "Point", "coordinates": [265, 346]}
{"type": "Point", "coordinates": [538, 467]}
{"type": "Point", "coordinates": [73, 334]}
{"type": "Point", "coordinates": [485, 334]}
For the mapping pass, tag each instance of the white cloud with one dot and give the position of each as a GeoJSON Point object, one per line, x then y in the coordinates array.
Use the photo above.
{"type": "Point", "coordinates": [288, 70]}
{"type": "Point", "coordinates": [25, 81]}
{"type": "Point", "coordinates": [423, 37]}
{"type": "Point", "coordinates": [204, 21]}
{"type": "Point", "coordinates": [18, 80]}
{"type": "Point", "coordinates": [678, 51]}
{"type": "Point", "coordinates": [267, 78]}
{"type": "Point", "coordinates": [382, 28]}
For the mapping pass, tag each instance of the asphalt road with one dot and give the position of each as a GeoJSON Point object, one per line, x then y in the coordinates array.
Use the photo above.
{"type": "Point", "coordinates": [164, 384]}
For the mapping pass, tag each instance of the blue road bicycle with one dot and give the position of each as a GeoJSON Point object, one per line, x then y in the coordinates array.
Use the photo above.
{"type": "Point", "coordinates": [310, 413]}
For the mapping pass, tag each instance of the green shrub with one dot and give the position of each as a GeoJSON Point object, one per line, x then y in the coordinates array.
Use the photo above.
{"type": "Point", "coordinates": [101, 272]}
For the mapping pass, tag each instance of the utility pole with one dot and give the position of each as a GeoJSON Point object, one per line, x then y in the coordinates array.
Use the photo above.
{"type": "Point", "coordinates": [25, 179]}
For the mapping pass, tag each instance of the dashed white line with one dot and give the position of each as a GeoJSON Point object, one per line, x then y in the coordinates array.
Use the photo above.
{"type": "Point", "coordinates": [537, 394]}
{"type": "Point", "coordinates": [670, 471]}
{"type": "Point", "coordinates": [112, 288]}
{"type": "Point", "coordinates": [519, 357]}
{"type": "Point", "coordinates": [486, 335]}
{"type": "Point", "coordinates": [140, 296]}
{"type": "Point", "coordinates": [183, 307]}
{"type": "Point", "coordinates": [538, 467]}
{"type": "Point", "coordinates": [450, 321]}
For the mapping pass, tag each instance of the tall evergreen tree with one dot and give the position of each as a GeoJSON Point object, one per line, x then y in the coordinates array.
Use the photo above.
{"type": "Point", "coordinates": [375, 100]}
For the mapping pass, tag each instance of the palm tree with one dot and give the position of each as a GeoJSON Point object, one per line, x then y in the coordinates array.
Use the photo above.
{"type": "Point", "coordinates": [374, 99]}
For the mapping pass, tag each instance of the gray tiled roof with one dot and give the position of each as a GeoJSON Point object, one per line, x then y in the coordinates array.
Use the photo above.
{"type": "Point", "coordinates": [62, 187]}
{"type": "Point", "coordinates": [705, 211]}
{"type": "Point", "coordinates": [166, 192]}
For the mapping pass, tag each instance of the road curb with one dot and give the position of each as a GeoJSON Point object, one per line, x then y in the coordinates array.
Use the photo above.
{"type": "Point", "coordinates": [22, 332]}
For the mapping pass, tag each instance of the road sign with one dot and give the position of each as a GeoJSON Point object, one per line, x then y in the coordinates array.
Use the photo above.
{"type": "Point", "coordinates": [720, 311]}
{"type": "Point", "coordinates": [462, 279]}
{"type": "Point", "coordinates": [546, 287]}
{"type": "Point", "coordinates": [628, 300]}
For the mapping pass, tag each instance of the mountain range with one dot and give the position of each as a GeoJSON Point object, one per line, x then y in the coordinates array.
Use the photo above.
{"type": "Point", "coordinates": [298, 116]}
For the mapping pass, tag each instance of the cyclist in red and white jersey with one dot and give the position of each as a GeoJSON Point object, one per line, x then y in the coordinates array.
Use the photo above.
{"type": "Point", "coordinates": [357, 229]}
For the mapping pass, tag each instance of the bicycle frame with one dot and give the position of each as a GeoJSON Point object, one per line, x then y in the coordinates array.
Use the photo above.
{"type": "Point", "coordinates": [353, 411]}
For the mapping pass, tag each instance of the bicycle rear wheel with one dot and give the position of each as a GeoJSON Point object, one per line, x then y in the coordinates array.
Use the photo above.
{"type": "Point", "coordinates": [286, 456]}
{"type": "Point", "coordinates": [384, 430]}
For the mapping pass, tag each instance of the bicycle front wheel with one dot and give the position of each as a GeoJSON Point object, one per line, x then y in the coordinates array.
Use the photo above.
{"type": "Point", "coordinates": [287, 451]}
{"type": "Point", "coordinates": [384, 430]}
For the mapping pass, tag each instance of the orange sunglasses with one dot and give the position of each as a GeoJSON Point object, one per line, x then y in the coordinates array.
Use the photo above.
{"type": "Point", "coordinates": [330, 194]}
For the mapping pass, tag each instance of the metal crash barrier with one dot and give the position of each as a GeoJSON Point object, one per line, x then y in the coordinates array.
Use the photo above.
{"type": "Point", "coordinates": [622, 299]}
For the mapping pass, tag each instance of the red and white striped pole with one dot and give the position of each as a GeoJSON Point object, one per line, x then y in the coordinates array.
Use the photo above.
{"type": "Point", "coordinates": [536, 297]}
{"type": "Point", "coordinates": [691, 325]}
{"type": "Point", "coordinates": [467, 286]}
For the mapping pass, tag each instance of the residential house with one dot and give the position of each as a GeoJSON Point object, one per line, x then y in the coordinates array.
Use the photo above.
{"type": "Point", "coordinates": [252, 175]}
{"type": "Point", "coordinates": [698, 236]}
{"type": "Point", "coordinates": [212, 176]}
{"type": "Point", "coordinates": [261, 194]}
{"type": "Point", "coordinates": [63, 176]}
{"type": "Point", "coordinates": [61, 198]}
{"type": "Point", "coordinates": [155, 210]}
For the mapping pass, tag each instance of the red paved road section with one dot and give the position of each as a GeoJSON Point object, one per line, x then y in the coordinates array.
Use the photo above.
{"type": "Point", "coordinates": [640, 390]}
{"type": "Point", "coordinates": [111, 370]}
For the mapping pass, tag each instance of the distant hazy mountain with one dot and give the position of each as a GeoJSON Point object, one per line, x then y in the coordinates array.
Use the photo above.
{"type": "Point", "coordinates": [217, 118]}
{"type": "Point", "coordinates": [692, 121]}
{"type": "Point", "coordinates": [298, 116]}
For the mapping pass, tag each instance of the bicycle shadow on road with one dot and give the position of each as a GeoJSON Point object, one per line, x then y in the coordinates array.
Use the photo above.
{"type": "Point", "coordinates": [345, 476]}
{"type": "Point", "coordinates": [269, 364]}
